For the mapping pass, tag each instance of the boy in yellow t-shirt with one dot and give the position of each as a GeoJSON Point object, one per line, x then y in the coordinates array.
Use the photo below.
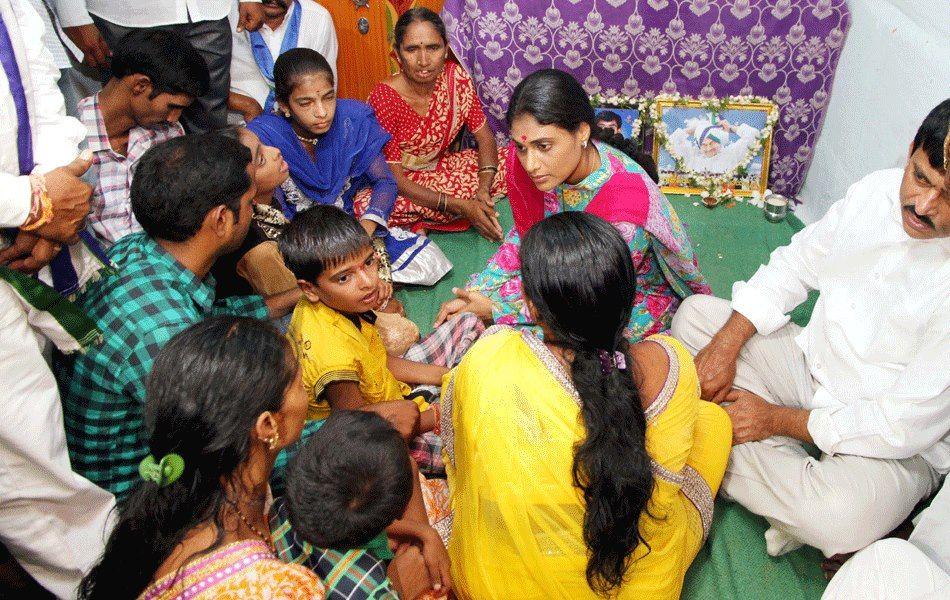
{"type": "Point", "coordinates": [344, 363]}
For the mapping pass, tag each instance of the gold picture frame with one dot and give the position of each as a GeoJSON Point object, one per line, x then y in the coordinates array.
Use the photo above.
{"type": "Point", "coordinates": [713, 145]}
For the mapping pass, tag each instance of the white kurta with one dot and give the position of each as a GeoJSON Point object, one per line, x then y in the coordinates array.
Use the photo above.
{"type": "Point", "coordinates": [147, 13]}
{"type": "Point", "coordinates": [878, 342]}
{"type": "Point", "coordinates": [316, 33]}
{"type": "Point", "coordinates": [895, 569]}
{"type": "Point", "coordinates": [932, 533]}
{"type": "Point", "coordinates": [55, 136]}
{"type": "Point", "coordinates": [51, 519]}
{"type": "Point", "coordinates": [891, 569]}
{"type": "Point", "coordinates": [871, 366]}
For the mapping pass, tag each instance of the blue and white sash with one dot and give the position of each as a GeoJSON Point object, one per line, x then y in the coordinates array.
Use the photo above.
{"type": "Point", "coordinates": [264, 58]}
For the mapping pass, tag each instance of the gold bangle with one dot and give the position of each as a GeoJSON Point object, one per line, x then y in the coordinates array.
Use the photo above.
{"type": "Point", "coordinates": [487, 168]}
{"type": "Point", "coordinates": [41, 205]}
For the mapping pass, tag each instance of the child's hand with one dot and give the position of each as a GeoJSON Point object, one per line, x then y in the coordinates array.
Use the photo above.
{"type": "Point", "coordinates": [437, 561]}
{"type": "Point", "coordinates": [410, 531]}
{"type": "Point", "coordinates": [407, 572]}
{"type": "Point", "coordinates": [403, 415]}
{"type": "Point", "coordinates": [385, 294]}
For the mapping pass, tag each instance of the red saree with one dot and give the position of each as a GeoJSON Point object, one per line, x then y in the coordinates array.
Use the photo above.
{"type": "Point", "coordinates": [420, 144]}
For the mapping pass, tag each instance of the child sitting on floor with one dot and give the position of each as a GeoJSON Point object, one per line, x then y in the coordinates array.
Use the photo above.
{"type": "Point", "coordinates": [353, 486]}
{"type": "Point", "coordinates": [342, 357]}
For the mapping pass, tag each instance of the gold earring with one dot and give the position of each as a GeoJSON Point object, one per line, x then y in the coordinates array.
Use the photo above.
{"type": "Point", "coordinates": [273, 440]}
{"type": "Point", "coordinates": [584, 144]}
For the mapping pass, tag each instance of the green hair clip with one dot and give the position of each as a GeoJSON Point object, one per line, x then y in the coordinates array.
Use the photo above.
{"type": "Point", "coordinates": [163, 472]}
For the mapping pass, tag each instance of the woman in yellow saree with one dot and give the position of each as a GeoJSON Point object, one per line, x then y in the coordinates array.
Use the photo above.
{"type": "Point", "coordinates": [578, 466]}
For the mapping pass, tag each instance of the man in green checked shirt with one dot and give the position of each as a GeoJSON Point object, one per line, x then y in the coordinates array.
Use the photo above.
{"type": "Point", "coordinates": [192, 195]}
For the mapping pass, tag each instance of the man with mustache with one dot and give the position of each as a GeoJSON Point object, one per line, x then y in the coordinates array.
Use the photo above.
{"type": "Point", "coordinates": [894, 568]}
{"type": "Point", "coordinates": [867, 381]}
{"type": "Point", "coordinates": [287, 24]}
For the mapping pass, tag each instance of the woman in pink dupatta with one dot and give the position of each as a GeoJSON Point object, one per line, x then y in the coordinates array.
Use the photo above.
{"type": "Point", "coordinates": [424, 107]}
{"type": "Point", "coordinates": [555, 164]}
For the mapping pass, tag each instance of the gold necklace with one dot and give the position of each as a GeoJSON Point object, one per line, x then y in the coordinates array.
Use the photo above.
{"type": "Point", "coordinates": [311, 141]}
{"type": "Point", "coordinates": [266, 538]}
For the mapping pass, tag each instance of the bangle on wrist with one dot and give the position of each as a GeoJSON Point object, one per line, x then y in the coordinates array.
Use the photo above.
{"type": "Point", "coordinates": [41, 205]}
{"type": "Point", "coordinates": [488, 168]}
{"type": "Point", "coordinates": [437, 413]}
{"type": "Point", "coordinates": [443, 204]}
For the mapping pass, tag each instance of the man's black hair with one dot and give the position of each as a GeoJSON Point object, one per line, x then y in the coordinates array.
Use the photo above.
{"type": "Point", "coordinates": [320, 238]}
{"type": "Point", "coordinates": [933, 133]}
{"type": "Point", "coordinates": [166, 57]}
{"type": "Point", "coordinates": [178, 181]}
{"type": "Point", "coordinates": [609, 115]}
{"type": "Point", "coordinates": [349, 482]}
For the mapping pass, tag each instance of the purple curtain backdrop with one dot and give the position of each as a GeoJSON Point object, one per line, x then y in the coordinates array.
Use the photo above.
{"type": "Point", "coordinates": [785, 50]}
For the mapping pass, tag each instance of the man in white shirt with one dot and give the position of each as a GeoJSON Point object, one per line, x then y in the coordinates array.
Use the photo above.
{"type": "Point", "coordinates": [96, 25]}
{"type": "Point", "coordinates": [287, 24]}
{"type": "Point", "coordinates": [867, 381]}
{"type": "Point", "coordinates": [74, 81]}
{"type": "Point", "coordinates": [51, 519]}
{"type": "Point", "coordinates": [895, 569]}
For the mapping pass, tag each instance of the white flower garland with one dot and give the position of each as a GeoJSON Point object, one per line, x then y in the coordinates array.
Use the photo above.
{"type": "Point", "coordinates": [713, 189]}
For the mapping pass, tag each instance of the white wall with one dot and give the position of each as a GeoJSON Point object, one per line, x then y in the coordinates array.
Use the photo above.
{"type": "Point", "coordinates": [895, 67]}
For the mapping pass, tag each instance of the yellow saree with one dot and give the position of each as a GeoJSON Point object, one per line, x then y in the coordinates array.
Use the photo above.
{"type": "Point", "coordinates": [511, 419]}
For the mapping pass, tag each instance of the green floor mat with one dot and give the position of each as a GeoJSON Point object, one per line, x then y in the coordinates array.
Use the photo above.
{"type": "Point", "coordinates": [731, 243]}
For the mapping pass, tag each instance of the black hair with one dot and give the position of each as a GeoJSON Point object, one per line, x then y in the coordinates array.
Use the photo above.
{"type": "Point", "coordinates": [577, 271]}
{"type": "Point", "coordinates": [207, 388]}
{"type": "Point", "coordinates": [320, 238]}
{"type": "Point", "coordinates": [167, 58]}
{"type": "Point", "coordinates": [296, 63]}
{"type": "Point", "coordinates": [609, 115]}
{"type": "Point", "coordinates": [178, 181]}
{"type": "Point", "coordinates": [554, 97]}
{"type": "Point", "coordinates": [932, 134]}
{"type": "Point", "coordinates": [419, 14]}
{"type": "Point", "coordinates": [349, 482]}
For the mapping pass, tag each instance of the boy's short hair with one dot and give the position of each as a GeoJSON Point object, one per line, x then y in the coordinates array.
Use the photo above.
{"type": "Point", "coordinates": [166, 57]}
{"type": "Point", "coordinates": [349, 482]}
{"type": "Point", "coordinates": [932, 134]}
{"type": "Point", "coordinates": [320, 238]}
{"type": "Point", "coordinates": [178, 181]}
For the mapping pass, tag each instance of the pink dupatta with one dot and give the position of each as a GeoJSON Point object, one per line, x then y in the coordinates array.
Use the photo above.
{"type": "Point", "coordinates": [627, 197]}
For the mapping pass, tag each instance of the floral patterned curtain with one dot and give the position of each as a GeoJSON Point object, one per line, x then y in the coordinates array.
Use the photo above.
{"type": "Point", "coordinates": [785, 50]}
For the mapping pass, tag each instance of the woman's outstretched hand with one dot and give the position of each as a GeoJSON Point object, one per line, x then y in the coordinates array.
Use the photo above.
{"type": "Point", "coordinates": [465, 301]}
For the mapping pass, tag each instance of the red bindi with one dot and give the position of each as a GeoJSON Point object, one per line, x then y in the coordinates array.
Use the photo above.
{"type": "Point", "coordinates": [524, 138]}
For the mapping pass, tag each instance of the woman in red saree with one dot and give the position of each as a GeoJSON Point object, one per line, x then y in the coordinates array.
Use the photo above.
{"type": "Point", "coordinates": [423, 107]}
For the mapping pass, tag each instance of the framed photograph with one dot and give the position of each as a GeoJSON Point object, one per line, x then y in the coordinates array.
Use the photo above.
{"type": "Point", "coordinates": [621, 114]}
{"type": "Point", "coordinates": [715, 144]}
{"type": "Point", "coordinates": [625, 121]}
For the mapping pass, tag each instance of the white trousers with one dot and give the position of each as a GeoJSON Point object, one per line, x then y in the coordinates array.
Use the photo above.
{"type": "Point", "coordinates": [890, 569]}
{"type": "Point", "coordinates": [52, 520]}
{"type": "Point", "coordinates": [838, 503]}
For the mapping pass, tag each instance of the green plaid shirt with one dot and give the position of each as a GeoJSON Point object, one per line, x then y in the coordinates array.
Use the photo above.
{"type": "Point", "coordinates": [148, 299]}
{"type": "Point", "coordinates": [351, 575]}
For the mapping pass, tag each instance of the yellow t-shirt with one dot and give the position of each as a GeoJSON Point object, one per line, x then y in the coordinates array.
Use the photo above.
{"type": "Point", "coordinates": [331, 348]}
